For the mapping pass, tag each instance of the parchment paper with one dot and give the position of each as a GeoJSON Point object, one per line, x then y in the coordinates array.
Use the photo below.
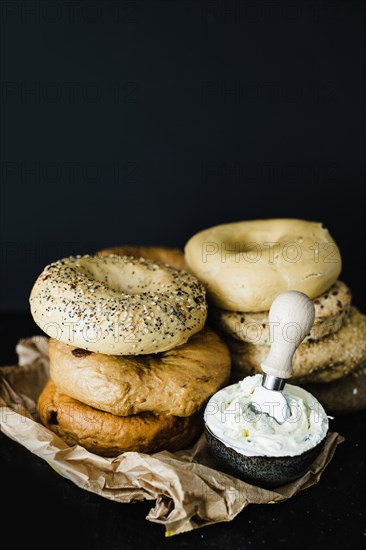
{"type": "Point", "coordinates": [188, 489]}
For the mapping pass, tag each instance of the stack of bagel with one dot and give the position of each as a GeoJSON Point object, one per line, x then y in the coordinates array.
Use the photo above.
{"type": "Point", "coordinates": [245, 265]}
{"type": "Point", "coordinates": [131, 362]}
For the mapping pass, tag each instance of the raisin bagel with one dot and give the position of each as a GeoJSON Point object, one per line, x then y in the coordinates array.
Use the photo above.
{"type": "Point", "coordinates": [176, 382]}
{"type": "Point", "coordinates": [109, 435]}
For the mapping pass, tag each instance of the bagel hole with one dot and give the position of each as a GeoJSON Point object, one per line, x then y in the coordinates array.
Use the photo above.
{"type": "Point", "coordinates": [129, 277]}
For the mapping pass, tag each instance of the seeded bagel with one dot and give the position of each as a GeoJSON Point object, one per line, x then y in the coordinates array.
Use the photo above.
{"type": "Point", "coordinates": [331, 308]}
{"type": "Point", "coordinates": [170, 256]}
{"type": "Point", "coordinates": [118, 305]}
{"type": "Point", "coordinates": [326, 360]}
{"type": "Point", "coordinates": [176, 382]}
{"type": "Point", "coordinates": [108, 435]}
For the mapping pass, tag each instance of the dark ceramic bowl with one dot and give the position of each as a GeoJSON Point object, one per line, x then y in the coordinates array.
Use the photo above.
{"type": "Point", "coordinates": [265, 471]}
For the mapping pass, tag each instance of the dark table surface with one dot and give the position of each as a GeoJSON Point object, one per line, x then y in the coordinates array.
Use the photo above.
{"type": "Point", "coordinates": [43, 510]}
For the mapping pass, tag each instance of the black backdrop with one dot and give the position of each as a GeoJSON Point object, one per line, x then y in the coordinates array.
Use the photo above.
{"type": "Point", "coordinates": [143, 122]}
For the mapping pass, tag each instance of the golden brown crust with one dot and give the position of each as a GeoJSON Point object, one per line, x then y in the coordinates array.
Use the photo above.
{"type": "Point", "coordinates": [328, 359]}
{"type": "Point", "coordinates": [108, 435]}
{"type": "Point", "coordinates": [245, 265]}
{"type": "Point", "coordinates": [171, 256]}
{"type": "Point", "coordinates": [331, 308]}
{"type": "Point", "coordinates": [342, 396]}
{"type": "Point", "coordinates": [176, 382]}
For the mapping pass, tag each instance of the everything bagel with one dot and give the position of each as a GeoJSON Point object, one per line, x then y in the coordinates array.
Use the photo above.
{"type": "Point", "coordinates": [331, 309]}
{"type": "Point", "coordinates": [171, 256]}
{"type": "Point", "coordinates": [245, 265]}
{"type": "Point", "coordinates": [325, 360]}
{"type": "Point", "coordinates": [118, 305]}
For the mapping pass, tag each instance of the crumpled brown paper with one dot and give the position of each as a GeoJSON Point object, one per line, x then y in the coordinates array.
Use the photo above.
{"type": "Point", "coordinates": [188, 489]}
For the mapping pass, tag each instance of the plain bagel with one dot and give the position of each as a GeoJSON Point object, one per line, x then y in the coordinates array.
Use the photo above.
{"type": "Point", "coordinates": [118, 305]}
{"type": "Point", "coordinates": [176, 382]}
{"type": "Point", "coordinates": [170, 256]}
{"type": "Point", "coordinates": [245, 265]}
{"type": "Point", "coordinates": [108, 435]}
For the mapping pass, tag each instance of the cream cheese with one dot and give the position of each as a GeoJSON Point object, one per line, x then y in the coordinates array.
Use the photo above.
{"type": "Point", "coordinates": [231, 415]}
